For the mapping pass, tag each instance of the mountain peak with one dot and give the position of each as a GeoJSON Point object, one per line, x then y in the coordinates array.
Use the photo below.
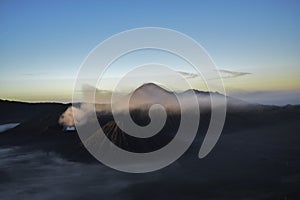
{"type": "Point", "coordinates": [150, 87]}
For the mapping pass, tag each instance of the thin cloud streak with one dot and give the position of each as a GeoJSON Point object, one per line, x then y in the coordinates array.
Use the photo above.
{"type": "Point", "coordinates": [232, 74]}
{"type": "Point", "coordinates": [225, 74]}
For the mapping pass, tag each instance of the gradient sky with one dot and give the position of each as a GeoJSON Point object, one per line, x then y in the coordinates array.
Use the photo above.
{"type": "Point", "coordinates": [43, 43]}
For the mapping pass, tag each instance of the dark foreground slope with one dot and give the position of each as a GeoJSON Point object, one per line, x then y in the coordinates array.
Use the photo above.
{"type": "Point", "coordinates": [39, 129]}
{"type": "Point", "coordinates": [257, 157]}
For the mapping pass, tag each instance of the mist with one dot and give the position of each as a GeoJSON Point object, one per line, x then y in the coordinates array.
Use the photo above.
{"type": "Point", "coordinates": [142, 99]}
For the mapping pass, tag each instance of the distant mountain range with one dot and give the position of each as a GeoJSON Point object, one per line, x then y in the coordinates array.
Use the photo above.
{"type": "Point", "coordinates": [39, 121]}
{"type": "Point", "coordinates": [148, 94]}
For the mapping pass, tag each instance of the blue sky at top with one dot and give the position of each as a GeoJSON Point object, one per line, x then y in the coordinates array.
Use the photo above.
{"type": "Point", "coordinates": [49, 39]}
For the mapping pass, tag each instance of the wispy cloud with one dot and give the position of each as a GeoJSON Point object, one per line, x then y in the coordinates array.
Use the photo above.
{"type": "Point", "coordinates": [232, 74]}
{"type": "Point", "coordinates": [225, 74]}
{"type": "Point", "coordinates": [188, 75]}
{"type": "Point", "coordinates": [34, 74]}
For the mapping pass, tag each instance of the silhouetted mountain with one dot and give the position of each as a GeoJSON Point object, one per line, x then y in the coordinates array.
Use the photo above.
{"type": "Point", "coordinates": [151, 88]}
{"type": "Point", "coordinates": [257, 153]}
{"type": "Point", "coordinates": [39, 121]}
{"type": "Point", "coordinates": [148, 94]}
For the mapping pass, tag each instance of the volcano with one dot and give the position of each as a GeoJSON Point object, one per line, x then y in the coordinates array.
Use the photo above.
{"type": "Point", "coordinates": [258, 150]}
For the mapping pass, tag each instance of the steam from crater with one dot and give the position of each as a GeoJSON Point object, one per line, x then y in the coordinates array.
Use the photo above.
{"type": "Point", "coordinates": [82, 115]}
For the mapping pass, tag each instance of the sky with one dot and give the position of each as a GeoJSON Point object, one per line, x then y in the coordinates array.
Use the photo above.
{"type": "Point", "coordinates": [43, 43]}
